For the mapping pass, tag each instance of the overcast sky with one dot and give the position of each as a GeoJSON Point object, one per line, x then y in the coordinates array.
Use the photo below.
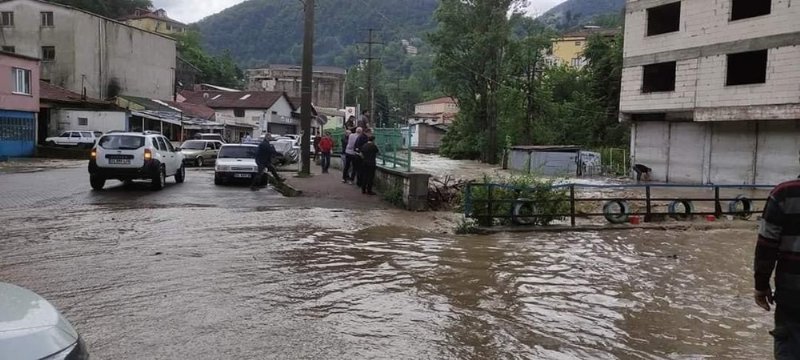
{"type": "Point", "coordinates": [188, 11]}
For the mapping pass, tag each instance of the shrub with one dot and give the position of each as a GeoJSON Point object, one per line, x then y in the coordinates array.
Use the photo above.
{"type": "Point", "coordinates": [547, 201]}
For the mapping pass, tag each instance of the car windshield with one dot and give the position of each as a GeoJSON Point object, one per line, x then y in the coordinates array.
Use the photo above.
{"type": "Point", "coordinates": [121, 142]}
{"type": "Point", "coordinates": [238, 152]}
{"type": "Point", "coordinates": [194, 145]}
{"type": "Point", "coordinates": [282, 146]}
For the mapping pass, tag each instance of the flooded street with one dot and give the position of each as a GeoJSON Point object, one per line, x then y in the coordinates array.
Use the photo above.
{"type": "Point", "coordinates": [202, 272]}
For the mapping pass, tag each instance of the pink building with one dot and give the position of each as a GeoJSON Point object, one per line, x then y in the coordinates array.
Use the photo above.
{"type": "Point", "coordinates": [19, 104]}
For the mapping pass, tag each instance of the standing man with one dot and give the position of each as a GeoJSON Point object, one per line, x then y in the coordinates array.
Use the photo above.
{"type": "Point", "coordinates": [351, 169]}
{"type": "Point", "coordinates": [361, 141]}
{"type": "Point", "coordinates": [779, 243]}
{"type": "Point", "coordinates": [325, 148]}
{"type": "Point", "coordinates": [264, 155]}
{"type": "Point", "coordinates": [369, 152]}
{"type": "Point", "coordinates": [248, 138]}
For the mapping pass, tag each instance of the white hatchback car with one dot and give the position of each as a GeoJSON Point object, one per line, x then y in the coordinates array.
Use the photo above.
{"type": "Point", "coordinates": [81, 139]}
{"type": "Point", "coordinates": [132, 156]}
{"type": "Point", "coordinates": [32, 329]}
{"type": "Point", "coordinates": [236, 162]}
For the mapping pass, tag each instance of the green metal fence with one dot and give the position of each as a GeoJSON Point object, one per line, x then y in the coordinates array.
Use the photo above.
{"type": "Point", "coordinates": [392, 142]}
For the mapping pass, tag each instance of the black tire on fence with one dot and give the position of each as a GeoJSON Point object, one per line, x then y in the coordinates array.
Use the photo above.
{"type": "Point", "coordinates": [520, 218]}
{"type": "Point", "coordinates": [619, 216]}
{"type": "Point", "coordinates": [688, 209]}
{"type": "Point", "coordinates": [747, 207]}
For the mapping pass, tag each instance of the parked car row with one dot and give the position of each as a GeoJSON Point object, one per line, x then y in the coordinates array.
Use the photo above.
{"type": "Point", "coordinates": [80, 139]}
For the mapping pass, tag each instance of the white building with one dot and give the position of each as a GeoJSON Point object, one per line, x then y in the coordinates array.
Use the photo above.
{"type": "Point", "coordinates": [261, 111]}
{"type": "Point", "coordinates": [81, 51]}
{"type": "Point", "coordinates": [712, 89]}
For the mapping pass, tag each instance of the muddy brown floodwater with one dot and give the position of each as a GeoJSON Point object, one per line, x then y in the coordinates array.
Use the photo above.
{"type": "Point", "coordinates": [190, 274]}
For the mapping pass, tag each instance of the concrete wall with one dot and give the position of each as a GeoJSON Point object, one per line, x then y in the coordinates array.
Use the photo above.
{"type": "Point", "coordinates": [436, 108]}
{"type": "Point", "coordinates": [750, 152]}
{"type": "Point", "coordinates": [704, 23]}
{"type": "Point", "coordinates": [93, 52]}
{"type": "Point", "coordinates": [104, 121]}
{"type": "Point", "coordinates": [283, 115]}
{"type": "Point", "coordinates": [10, 100]}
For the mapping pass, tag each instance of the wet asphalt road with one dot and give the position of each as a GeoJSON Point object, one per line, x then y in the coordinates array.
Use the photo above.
{"type": "Point", "coordinates": [201, 272]}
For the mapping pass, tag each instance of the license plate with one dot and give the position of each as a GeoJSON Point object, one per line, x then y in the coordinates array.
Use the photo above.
{"type": "Point", "coordinates": [241, 176]}
{"type": "Point", "coordinates": [119, 161]}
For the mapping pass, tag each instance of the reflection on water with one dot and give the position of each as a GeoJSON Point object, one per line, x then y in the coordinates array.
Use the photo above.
{"type": "Point", "coordinates": [600, 296]}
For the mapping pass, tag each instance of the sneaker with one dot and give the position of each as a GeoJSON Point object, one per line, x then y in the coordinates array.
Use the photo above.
{"type": "Point", "coordinates": [344, 181]}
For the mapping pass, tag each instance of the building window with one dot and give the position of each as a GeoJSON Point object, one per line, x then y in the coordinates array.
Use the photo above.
{"type": "Point", "coordinates": [744, 9]}
{"type": "Point", "coordinates": [239, 113]}
{"type": "Point", "coordinates": [747, 68]}
{"type": "Point", "coordinates": [48, 53]}
{"type": "Point", "coordinates": [83, 121]}
{"type": "Point", "coordinates": [47, 19]}
{"type": "Point", "coordinates": [169, 27]}
{"type": "Point", "coordinates": [664, 19]}
{"type": "Point", "coordinates": [577, 62]}
{"type": "Point", "coordinates": [22, 81]}
{"type": "Point", "coordinates": [659, 77]}
{"type": "Point", "coordinates": [10, 49]}
{"type": "Point", "coordinates": [7, 18]}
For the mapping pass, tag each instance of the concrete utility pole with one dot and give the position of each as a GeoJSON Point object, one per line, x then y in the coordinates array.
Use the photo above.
{"type": "Point", "coordinates": [370, 88]}
{"type": "Point", "coordinates": [306, 88]}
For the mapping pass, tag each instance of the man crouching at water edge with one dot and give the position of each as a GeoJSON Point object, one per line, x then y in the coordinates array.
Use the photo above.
{"type": "Point", "coordinates": [779, 243]}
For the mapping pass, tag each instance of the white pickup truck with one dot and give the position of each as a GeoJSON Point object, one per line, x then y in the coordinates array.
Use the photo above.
{"type": "Point", "coordinates": [81, 139]}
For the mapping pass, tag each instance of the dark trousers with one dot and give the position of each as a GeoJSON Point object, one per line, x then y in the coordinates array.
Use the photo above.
{"type": "Point", "coordinates": [260, 174]}
{"type": "Point", "coordinates": [367, 177]}
{"type": "Point", "coordinates": [326, 161]}
{"type": "Point", "coordinates": [348, 173]}
{"type": "Point", "coordinates": [786, 333]}
{"type": "Point", "coordinates": [357, 165]}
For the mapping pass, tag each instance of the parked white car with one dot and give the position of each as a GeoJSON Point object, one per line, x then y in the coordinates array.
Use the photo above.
{"type": "Point", "coordinates": [132, 156]}
{"type": "Point", "coordinates": [236, 162]}
{"type": "Point", "coordinates": [32, 329]}
{"type": "Point", "coordinates": [82, 139]}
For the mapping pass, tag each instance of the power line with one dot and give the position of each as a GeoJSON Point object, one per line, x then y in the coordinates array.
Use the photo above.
{"type": "Point", "coordinates": [370, 88]}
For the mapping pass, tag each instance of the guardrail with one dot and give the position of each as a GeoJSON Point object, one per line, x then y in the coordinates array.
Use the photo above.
{"type": "Point", "coordinates": [391, 142]}
{"type": "Point", "coordinates": [617, 210]}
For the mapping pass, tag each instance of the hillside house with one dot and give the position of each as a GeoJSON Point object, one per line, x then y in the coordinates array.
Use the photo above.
{"type": "Point", "coordinates": [19, 104]}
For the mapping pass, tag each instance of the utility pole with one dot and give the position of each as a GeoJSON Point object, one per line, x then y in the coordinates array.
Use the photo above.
{"type": "Point", "coordinates": [370, 87]}
{"type": "Point", "coordinates": [306, 89]}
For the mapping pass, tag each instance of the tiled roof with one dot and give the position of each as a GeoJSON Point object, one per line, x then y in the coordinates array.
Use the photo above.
{"type": "Point", "coordinates": [51, 93]}
{"type": "Point", "coordinates": [149, 104]}
{"type": "Point", "coordinates": [235, 100]}
{"type": "Point", "coordinates": [441, 100]}
{"type": "Point", "coordinates": [152, 16]}
{"type": "Point", "coordinates": [316, 68]}
{"type": "Point", "coordinates": [194, 110]}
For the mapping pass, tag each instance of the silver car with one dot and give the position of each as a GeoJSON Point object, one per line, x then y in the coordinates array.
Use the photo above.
{"type": "Point", "coordinates": [32, 329]}
{"type": "Point", "coordinates": [200, 152]}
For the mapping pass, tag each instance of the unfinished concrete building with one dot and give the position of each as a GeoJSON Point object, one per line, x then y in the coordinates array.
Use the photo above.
{"type": "Point", "coordinates": [712, 89]}
{"type": "Point", "coordinates": [328, 83]}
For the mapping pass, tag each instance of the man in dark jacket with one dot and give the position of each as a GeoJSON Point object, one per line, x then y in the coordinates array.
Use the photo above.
{"type": "Point", "coordinates": [779, 244]}
{"type": "Point", "coordinates": [369, 163]}
{"type": "Point", "coordinates": [362, 139]}
{"type": "Point", "coordinates": [264, 155]}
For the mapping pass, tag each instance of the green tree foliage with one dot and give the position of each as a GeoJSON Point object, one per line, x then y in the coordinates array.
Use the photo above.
{"type": "Point", "coordinates": [114, 9]}
{"type": "Point", "coordinates": [218, 70]}
{"type": "Point", "coordinates": [471, 42]}
{"type": "Point", "coordinates": [259, 32]}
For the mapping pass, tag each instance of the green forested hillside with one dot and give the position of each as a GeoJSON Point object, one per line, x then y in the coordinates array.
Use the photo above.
{"type": "Point", "coordinates": [271, 31]}
{"type": "Point", "coordinates": [109, 8]}
{"type": "Point", "coordinates": [573, 13]}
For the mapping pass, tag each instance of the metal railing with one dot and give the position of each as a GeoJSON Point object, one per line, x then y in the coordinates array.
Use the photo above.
{"type": "Point", "coordinates": [391, 142]}
{"type": "Point", "coordinates": [493, 207]}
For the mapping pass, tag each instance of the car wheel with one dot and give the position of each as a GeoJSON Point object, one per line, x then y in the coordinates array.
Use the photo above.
{"type": "Point", "coordinates": [199, 162]}
{"type": "Point", "coordinates": [50, 143]}
{"type": "Point", "coordinates": [97, 182]}
{"type": "Point", "coordinates": [159, 180]}
{"type": "Point", "coordinates": [180, 176]}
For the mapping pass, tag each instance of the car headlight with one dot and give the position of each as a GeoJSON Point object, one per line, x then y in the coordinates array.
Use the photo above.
{"type": "Point", "coordinates": [223, 168]}
{"type": "Point", "coordinates": [77, 351]}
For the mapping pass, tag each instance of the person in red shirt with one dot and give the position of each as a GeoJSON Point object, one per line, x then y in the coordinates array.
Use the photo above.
{"type": "Point", "coordinates": [325, 148]}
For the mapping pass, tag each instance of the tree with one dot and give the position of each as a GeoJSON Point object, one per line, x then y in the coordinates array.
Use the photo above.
{"type": "Point", "coordinates": [471, 42]}
{"type": "Point", "coordinates": [114, 9]}
{"type": "Point", "coordinates": [218, 70]}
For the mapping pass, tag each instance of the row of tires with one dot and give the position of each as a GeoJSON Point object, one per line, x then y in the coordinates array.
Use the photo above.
{"type": "Point", "coordinates": [523, 211]}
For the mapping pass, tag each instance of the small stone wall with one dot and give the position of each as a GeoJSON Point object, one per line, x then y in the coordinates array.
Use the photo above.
{"type": "Point", "coordinates": [411, 187]}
